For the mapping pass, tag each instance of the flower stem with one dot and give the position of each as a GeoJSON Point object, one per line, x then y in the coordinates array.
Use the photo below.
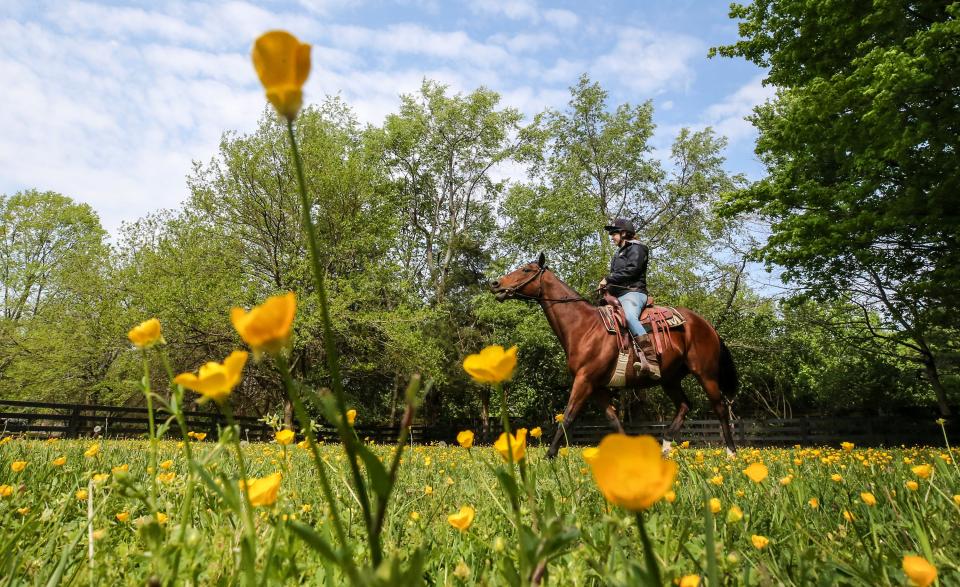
{"type": "Point", "coordinates": [653, 568]}
{"type": "Point", "coordinates": [153, 433]}
{"type": "Point", "coordinates": [250, 536]}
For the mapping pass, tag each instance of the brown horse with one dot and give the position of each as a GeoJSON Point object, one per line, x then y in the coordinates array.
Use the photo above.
{"type": "Point", "coordinates": [592, 353]}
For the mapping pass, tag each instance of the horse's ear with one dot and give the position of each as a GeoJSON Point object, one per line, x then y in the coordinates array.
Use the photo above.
{"type": "Point", "coordinates": [541, 260]}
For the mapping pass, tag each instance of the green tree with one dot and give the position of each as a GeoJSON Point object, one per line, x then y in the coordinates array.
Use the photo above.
{"type": "Point", "coordinates": [860, 146]}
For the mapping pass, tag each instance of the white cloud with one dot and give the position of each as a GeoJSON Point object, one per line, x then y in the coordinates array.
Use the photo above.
{"type": "Point", "coordinates": [649, 62]}
{"type": "Point", "coordinates": [560, 18]}
{"type": "Point", "coordinates": [728, 116]}
{"type": "Point", "coordinates": [512, 9]}
{"type": "Point", "coordinates": [526, 42]}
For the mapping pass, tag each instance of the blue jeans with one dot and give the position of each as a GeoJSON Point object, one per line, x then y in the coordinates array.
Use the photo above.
{"type": "Point", "coordinates": [633, 302]}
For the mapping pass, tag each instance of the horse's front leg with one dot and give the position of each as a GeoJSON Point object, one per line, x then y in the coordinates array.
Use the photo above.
{"type": "Point", "coordinates": [581, 390]}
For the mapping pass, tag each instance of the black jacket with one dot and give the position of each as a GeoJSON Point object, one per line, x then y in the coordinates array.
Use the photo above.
{"type": "Point", "coordinates": [628, 269]}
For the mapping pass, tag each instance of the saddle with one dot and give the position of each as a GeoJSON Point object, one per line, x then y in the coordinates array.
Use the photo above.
{"type": "Point", "coordinates": [656, 320]}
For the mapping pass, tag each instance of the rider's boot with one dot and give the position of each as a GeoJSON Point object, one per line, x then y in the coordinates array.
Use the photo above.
{"type": "Point", "coordinates": [647, 362]}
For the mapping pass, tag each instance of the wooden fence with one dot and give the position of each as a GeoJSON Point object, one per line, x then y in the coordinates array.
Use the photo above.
{"type": "Point", "coordinates": [44, 419]}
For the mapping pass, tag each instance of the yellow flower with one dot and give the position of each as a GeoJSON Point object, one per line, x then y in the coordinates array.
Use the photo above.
{"type": "Point", "coordinates": [93, 451]}
{"type": "Point", "coordinates": [814, 502]}
{"type": "Point", "coordinates": [166, 464]}
{"type": "Point", "coordinates": [462, 519]}
{"type": "Point", "coordinates": [715, 505]}
{"type": "Point", "coordinates": [690, 581]}
{"type": "Point", "coordinates": [415, 516]}
{"type": "Point", "coordinates": [759, 542]}
{"type": "Point", "coordinates": [536, 432]}
{"type": "Point", "coordinates": [912, 485]}
{"type": "Point", "coordinates": [146, 334]}
{"type": "Point", "coordinates": [215, 380]}
{"type": "Point", "coordinates": [518, 444]}
{"type": "Point", "coordinates": [124, 468]}
{"type": "Point", "coordinates": [264, 491]}
{"type": "Point", "coordinates": [6, 490]}
{"type": "Point", "coordinates": [670, 496]}
{"type": "Point", "coordinates": [18, 466]}
{"type": "Point", "coordinates": [848, 516]}
{"type": "Point", "coordinates": [162, 518]}
{"type": "Point", "coordinates": [717, 480]}
{"type": "Point", "coordinates": [267, 327]}
{"type": "Point", "coordinates": [200, 436]}
{"type": "Point", "coordinates": [492, 364]}
{"type": "Point", "coordinates": [922, 471]}
{"type": "Point", "coordinates": [304, 444]}
{"type": "Point", "coordinates": [558, 418]}
{"type": "Point", "coordinates": [685, 444]}
{"type": "Point", "coordinates": [590, 454]}
{"type": "Point", "coordinates": [734, 514]}
{"type": "Point", "coordinates": [351, 416]}
{"type": "Point", "coordinates": [123, 516]}
{"type": "Point", "coordinates": [167, 478]}
{"type": "Point", "coordinates": [564, 451]}
{"type": "Point", "coordinates": [836, 477]}
{"type": "Point", "coordinates": [462, 571]}
{"type": "Point", "coordinates": [465, 438]}
{"type": "Point", "coordinates": [757, 472]}
{"type": "Point", "coordinates": [23, 511]}
{"type": "Point", "coordinates": [427, 490]}
{"type": "Point", "coordinates": [285, 437]}
{"type": "Point", "coordinates": [101, 477]}
{"type": "Point", "coordinates": [631, 471]}
{"type": "Point", "coordinates": [786, 480]}
{"type": "Point", "coordinates": [868, 498]}
{"type": "Point", "coordinates": [5, 440]}
{"type": "Point", "coordinates": [81, 494]}
{"type": "Point", "coordinates": [920, 571]}
{"type": "Point", "coordinates": [956, 500]}
{"type": "Point", "coordinates": [847, 446]}
{"type": "Point", "coordinates": [283, 64]}
{"type": "Point", "coordinates": [59, 461]}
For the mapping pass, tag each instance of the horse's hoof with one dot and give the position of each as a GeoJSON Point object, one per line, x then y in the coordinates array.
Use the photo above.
{"type": "Point", "coordinates": [732, 455]}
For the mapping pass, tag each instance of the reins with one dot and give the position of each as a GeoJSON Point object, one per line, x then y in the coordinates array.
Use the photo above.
{"type": "Point", "coordinates": [539, 297]}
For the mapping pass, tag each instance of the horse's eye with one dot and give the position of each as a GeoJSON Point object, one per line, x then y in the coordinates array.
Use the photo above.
{"type": "Point", "coordinates": [527, 270]}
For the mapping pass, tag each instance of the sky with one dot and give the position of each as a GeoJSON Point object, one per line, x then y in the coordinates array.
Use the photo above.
{"type": "Point", "coordinates": [109, 103]}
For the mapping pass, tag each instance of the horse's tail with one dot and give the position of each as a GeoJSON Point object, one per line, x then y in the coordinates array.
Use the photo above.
{"type": "Point", "coordinates": [728, 379]}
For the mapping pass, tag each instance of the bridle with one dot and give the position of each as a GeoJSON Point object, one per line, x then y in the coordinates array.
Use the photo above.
{"type": "Point", "coordinates": [512, 291]}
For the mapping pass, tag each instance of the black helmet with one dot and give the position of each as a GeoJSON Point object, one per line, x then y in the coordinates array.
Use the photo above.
{"type": "Point", "coordinates": [620, 224]}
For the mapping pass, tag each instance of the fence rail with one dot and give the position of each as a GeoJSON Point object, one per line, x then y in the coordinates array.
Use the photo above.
{"type": "Point", "coordinates": [82, 420]}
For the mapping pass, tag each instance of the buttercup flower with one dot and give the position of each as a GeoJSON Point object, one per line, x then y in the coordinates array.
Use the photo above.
{"type": "Point", "coordinates": [757, 472]}
{"type": "Point", "coordinates": [919, 570]}
{"type": "Point", "coordinates": [123, 516]}
{"type": "Point", "coordinates": [518, 444]}
{"type": "Point", "coordinates": [283, 64]}
{"type": "Point", "coordinates": [558, 418]}
{"type": "Point", "coordinates": [59, 461]}
{"type": "Point", "coordinates": [215, 380]}
{"type": "Point", "coordinates": [631, 471]}
{"type": "Point", "coordinates": [285, 437]}
{"type": "Point", "coordinates": [536, 432]}
{"type": "Point", "coordinates": [590, 454]}
{"type": "Point", "coordinates": [18, 466]}
{"type": "Point", "coordinates": [715, 505]}
{"type": "Point", "coordinates": [6, 490]}
{"type": "Point", "coordinates": [734, 514]}
{"type": "Point", "coordinates": [847, 446]}
{"type": "Point", "coordinates": [200, 436]}
{"type": "Point", "coordinates": [868, 498]}
{"type": "Point", "coordinates": [759, 542]}
{"type": "Point", "coordinates": [146, 334]}
{"type": "Point", "coordinates": [492, 364]}
{"type": "Point", "coordinates": [922, 471]}
{"type": "Point", "coordinates": [814, 502]}
{"type": "Point", "coordinates": [670, 496]}
{"type": "Point", "coordinates": [462, 519]}
{"type": "Point", "coordinates": [166, 464]}
{"type": "Point", "coordinates": [264, 491]}
{"type": "Point", "coordinates": [351, 416]}
{"type": "Point", "coordinates": [101, 477]}
{"type": "Point", "coordinates": [267, 327]}
{"type": "Point", "coordinates": [81, 494]}
{"type": "Point", "coordinates": [465, 438]}
{"type": "Point", "coordinates": [912, 485]}
{"type": "Point", "coordinates": [690, 581]}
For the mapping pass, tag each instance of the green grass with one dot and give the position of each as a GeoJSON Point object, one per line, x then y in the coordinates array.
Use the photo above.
{"type": "Point", "coordinates": [44, 527]}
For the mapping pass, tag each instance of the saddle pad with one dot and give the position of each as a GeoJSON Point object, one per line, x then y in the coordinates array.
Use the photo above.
{"type": "Point", "coordinates": [619, 378]}
{"type": "Point", "coordinates": [671, 316]}
{"type": "Point", "coordinates": [608, 318]}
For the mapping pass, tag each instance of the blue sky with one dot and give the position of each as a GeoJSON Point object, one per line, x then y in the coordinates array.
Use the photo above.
{"type": "Point", "coordinates": [109, 102]}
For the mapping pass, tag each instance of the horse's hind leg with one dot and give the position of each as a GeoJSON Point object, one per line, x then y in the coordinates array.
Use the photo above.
{"type": "Point", "coordinates": [675, 391]}
{"type": "Point", "coordinates": [719, 405]}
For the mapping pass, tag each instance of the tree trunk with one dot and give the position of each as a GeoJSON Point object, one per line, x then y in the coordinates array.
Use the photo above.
{"type": "Point", "coordinates": [485, 412]}
{"type": "Point", "coordinates": [287, 414]}
{"type": "Point", "coordinates": [930, 368]}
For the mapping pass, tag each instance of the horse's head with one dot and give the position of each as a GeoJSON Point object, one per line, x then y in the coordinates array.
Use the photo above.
{"type": "Point", "coordinates": [524, 282]}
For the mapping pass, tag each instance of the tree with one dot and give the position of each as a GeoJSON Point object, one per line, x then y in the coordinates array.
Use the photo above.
{"type": "Point", "coordinates": [860, 146]}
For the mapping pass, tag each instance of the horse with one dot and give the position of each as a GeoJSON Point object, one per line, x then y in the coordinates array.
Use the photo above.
{"type": "Point", "coordinates": [592, 354]}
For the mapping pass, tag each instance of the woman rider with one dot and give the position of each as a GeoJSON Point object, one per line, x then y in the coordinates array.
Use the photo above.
{"type": "Point", "coordinates": [628, 281]}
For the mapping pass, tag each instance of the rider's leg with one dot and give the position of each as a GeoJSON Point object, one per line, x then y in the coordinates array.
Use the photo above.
{"type": "Point", "coordinates": [633, 303]}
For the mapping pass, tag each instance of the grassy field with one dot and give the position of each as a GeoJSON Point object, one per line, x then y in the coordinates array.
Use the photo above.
{"type": "Point", "coordinates": [831, 516]}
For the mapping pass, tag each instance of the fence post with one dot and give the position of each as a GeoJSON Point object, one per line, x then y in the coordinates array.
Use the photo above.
{"type": "Point", "coordinates": [805, 432]}
{"type": "Point", "coordinates": [73, 427]}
